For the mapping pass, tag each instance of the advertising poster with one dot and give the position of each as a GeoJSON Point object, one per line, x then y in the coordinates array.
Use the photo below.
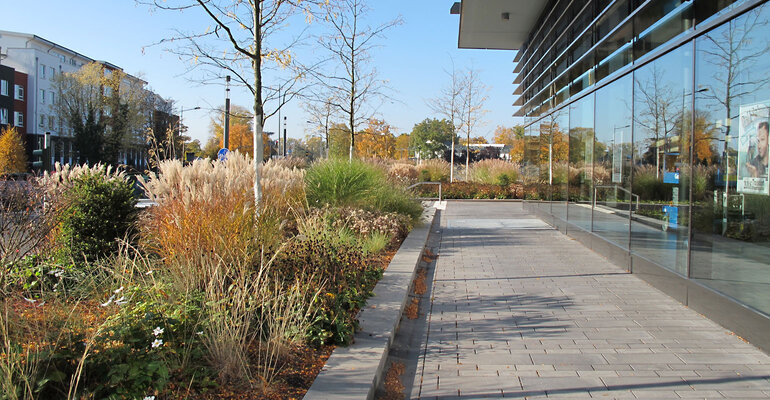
{"type": "Point", "coordinates": [753, 149]}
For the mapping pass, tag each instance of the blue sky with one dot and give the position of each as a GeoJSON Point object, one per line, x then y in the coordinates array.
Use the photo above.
{"type": "Point", "coordinates": [412, 58]}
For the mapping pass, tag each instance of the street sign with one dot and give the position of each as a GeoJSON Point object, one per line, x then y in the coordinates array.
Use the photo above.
{"type": "Point", "coordinates": [222, 154]}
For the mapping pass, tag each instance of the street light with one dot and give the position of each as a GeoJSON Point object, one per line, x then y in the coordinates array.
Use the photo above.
{"type": "Point", "coordinates": [173, 144]}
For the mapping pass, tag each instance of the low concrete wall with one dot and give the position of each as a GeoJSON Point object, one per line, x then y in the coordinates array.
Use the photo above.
{"type": "Point", "coordinates": [354, 372]}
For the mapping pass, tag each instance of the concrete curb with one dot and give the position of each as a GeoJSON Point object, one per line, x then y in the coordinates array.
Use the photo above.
{"type": "Point", "coordinates": [354, 372]}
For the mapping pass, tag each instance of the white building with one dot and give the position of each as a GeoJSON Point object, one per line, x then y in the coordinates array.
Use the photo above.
{"type": "Point", "coordinates": [42, 60]}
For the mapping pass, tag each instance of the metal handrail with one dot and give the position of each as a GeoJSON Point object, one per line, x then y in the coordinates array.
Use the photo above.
{"type": "Point", "coordinates": [427, 183]}
{"type": "Point", "coordinates": [616, 187]}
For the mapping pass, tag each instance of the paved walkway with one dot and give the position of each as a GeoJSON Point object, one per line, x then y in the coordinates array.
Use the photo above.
{"type": "Point", "coordinates": [521, 311]}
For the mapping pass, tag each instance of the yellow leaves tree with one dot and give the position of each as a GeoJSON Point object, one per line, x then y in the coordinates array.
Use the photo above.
{"type": "Point", "coordinates": [241, 131]}
{"type": "Point", "coordinates": [376, 140]}
{"type": "Point", "coordinates": [474, 140]}
{"type": "Point", "coordinates": [513, 138]}
{"type": "Point", "coordinates": [555, 137]}
{"type": "Point", "coordinates": [402, 146]}
{"type": "Point", "coordinates": [13, 158]}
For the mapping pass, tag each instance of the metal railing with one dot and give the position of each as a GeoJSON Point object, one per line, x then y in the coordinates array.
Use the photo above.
{"type": "Point", "coordinates": [427, 183]}
{"type": "Point", "coordinates": [616, 187]}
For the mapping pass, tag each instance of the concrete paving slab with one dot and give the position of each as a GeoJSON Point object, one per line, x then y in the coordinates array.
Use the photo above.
{"type": "Point", "coordinates": [505, 288]}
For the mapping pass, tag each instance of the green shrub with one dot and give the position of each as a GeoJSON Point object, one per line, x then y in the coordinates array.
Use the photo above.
{"type": "Point", "coordinates": [325, 249]}
{"type": "Point", "coordinates": [99, 210]}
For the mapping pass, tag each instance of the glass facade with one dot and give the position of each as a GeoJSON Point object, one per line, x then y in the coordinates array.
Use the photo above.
{"type": "Point", "coordinates": [581, 42]}
{"type": "Point", "coordinates": [669, 161]}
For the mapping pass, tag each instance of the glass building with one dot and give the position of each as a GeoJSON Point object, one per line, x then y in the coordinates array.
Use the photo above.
{"type": "Point", "coordinates": [647, 126]}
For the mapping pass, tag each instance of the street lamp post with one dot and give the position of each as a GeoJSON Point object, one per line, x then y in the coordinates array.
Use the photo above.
{"type": "Point", "coordinates": [173, 144]}
{"type": "Point", "coordinates": [226, 135]}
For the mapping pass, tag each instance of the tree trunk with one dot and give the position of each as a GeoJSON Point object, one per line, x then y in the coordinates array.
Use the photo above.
{"type": "Point", "coordinates": [258, 143]}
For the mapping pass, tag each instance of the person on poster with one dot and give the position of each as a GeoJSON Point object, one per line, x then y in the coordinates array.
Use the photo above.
{"type": "Point", "coordinates": [757, 166]}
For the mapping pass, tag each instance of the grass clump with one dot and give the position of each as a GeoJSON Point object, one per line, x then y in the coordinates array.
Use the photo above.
{"type": "Point", "coordinates": [494, 172]}
{"type": "Point", "coordinates": [434, 171]}
{"type": "Point", "coordinates": [341, 183]}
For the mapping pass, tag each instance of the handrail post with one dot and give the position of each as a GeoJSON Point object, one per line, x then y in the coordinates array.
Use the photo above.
{"type": "Point", "coordinates": [439, 192]}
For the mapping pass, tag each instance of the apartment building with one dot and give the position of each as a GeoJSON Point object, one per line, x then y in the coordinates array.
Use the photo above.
{"type": "Point", "coordinates": [42, 60]}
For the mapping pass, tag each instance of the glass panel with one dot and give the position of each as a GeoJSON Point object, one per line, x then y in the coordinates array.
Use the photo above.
{"type": "Point", "coordinates": [530, 167]}
{"type": "Point", "coordinates": [581, 145]}
{"type": "Point", "coordinates": [558, 169]}
{"type": "Point", "coordinates": [615, 52]}
{"type": "Point", "coordinates": [662, 103]}
{"type": "Point", "coordinates": [706, 10]}
{"type": "Point", "coordinates": [612, 166]}
{"type": "Point", "coordinates": [659, 22]}
{"type": "Point", "coordinates": [612, 18]}
{"type": "Point", "coordinates": [731, 210]}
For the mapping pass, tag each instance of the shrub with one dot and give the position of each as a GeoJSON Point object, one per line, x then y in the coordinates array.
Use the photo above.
{"type": "Point", "coordinates": [13, 157]}
{"type": "Point", "coordinates": [97, 207]}
{"type": "Point", "coordinates": [403, 174]}
{"type": "Point", "coordinates": [364, 223]}
{"type": "Point", "coordinates": [647, 185]}
{"type": "Point", "coordinates": [324, 250]}
{"type": "Point", "coordinates": [24, 222]}
{"type": "Point", "coordinates": [434, 171]}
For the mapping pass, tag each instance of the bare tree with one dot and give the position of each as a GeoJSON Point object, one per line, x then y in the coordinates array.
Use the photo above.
{"type": "Point", "coordinates": [448, 104]}
{"type": "Point", "coordinates": [658, 109]}
{"type": "Point", "coordinates": [240, 44]}
{"type": "Point", "coordinates": [473, 98]}
{"type": "Point", "coordinates": [353, 82]}
{"type": "Point", "coordinates": [321, 111]}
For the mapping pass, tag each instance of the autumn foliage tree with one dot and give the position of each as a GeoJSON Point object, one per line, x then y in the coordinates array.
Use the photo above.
{"type": "Point", "coordinates": [376, 140]}
{"type": "Point", "coordinates": [402, 146]}
{"type": "Point", "coordinates": [241, 131]}
{"type": "Point", "coordinates": [13, 158]}
{"type": "Point", "coordinates": [513, 138]}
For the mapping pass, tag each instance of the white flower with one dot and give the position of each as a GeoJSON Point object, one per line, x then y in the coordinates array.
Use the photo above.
{"type": "Point", "coordinates": [118, 290]}
{"type": "Point", "coordinates": [109, 301]}
{"type": "Point", "coordinates": [56, 272]}
{"type": "Point", "coordinates": [157, 331]}
{"type": "Point", "coordinates": [157, 343]}
{"type": "Point", "coordinates": [199, 333]}
{"type": "Point", "coordinates": [149, 398]}
{"type": "Point", "coordinates": [30, 300]}
{"type": "Point", "coordinates": [122, 300]}
{"type": "Point", "coordinates": [148, 272]}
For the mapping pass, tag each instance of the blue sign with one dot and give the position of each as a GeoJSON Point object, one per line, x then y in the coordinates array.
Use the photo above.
{"type": "Point", "coordinates": [222, 154]}
{"type": "Point", "coordinates": [671, 177]}
{"type": "Point", "coordinates": [672, 215]}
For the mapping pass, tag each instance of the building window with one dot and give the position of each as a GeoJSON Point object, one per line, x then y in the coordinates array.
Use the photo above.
{"type": "Point", "coordinates": [52, 72]}
{"type": "Point", "coordinates": [42, 120]}
{"type": "Point", "coordinates": [18, 119]}
{"type": "Point", "coordinates": [42, 96]}
{"type": "Point", "coordinates": [4, 87]}
{"type": "Point", "coordinates": [42, 71]}
{"type": "Point", "coordinates": [51, 122]}
{"type": "Point", "coordinates": [3, 115]}
{"type": "Point", "coordinates": [18, 92]}
{"type": "Point", "coordinates": [53, 97]}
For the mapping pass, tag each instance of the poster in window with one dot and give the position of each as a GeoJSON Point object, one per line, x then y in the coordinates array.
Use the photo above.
{"type": "Point", "coordinates": [753, 149]}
